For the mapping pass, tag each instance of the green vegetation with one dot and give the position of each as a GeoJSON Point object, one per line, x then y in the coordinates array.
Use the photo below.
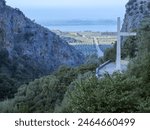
{"type": "Point", "coordinates": [129, 48]}
{"type": "Point", "coordinates": [78, 90]}
{"type": "Point", "coordinates": [7, 84]}
{"type": "Point", "coordinates": [44, 94]}
{"type": "Point", "coordinates": [110, 94]}
{"type": "Point", "coordinates": [110, 53]}
{"type": "Point", "coordinates": [14, 73]}
{"type": "Point", "coordinates": [128, 92]}
{"type": "Point", "coordinates": [39, 96]}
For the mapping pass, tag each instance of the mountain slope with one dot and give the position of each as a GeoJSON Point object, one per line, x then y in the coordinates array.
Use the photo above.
{"type": "Point", "coordinates": [28, 50]}
{"type": "Point", "coordinates": [136, 11]}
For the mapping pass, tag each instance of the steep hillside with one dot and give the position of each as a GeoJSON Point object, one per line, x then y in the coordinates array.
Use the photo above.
{"type": "Point", "coordinates": [28, 50]}
{"type": "Point", "coordinates": [136, 11]}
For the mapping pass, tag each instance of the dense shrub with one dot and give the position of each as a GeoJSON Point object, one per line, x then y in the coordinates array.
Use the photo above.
{"type": "Point", "coordinates": [93, 59]}
{"type": "Point", "coordinates": [129, 48]}
{"type": "Point", "coordinates": [7, 87]}
{"type": "Point", "coordinates": [15, 72]}
{"type": "Point", "coordinates": [110, 94]}
{"type": "Point", "coordinates": [40, 95]}
{"type": "Point", "coordinates": [44, 94]}
{"type": "Point", "coordinates": [4, 57]}
{"type": "Point", "coordinates": [144, 36]}
{"type": "Point", "coordinates": [110, 53]}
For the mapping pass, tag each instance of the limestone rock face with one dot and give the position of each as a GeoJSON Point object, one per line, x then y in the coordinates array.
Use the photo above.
{"type": "Point", "coordinates": [33, 44]}
{"type": "Point", "coordinates": [136, 10]}
{"type": "Point", "coordinates": [2, 3]}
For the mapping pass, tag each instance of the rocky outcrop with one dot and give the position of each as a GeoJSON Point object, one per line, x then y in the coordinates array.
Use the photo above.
{"type": "Point", "coordinates": [136, 11]}
{"type": "Point", "coordinates": [35, 45]}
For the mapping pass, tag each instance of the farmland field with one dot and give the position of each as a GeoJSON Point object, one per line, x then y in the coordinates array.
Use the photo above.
{"type": "Point", "coordinates": [84, 41]}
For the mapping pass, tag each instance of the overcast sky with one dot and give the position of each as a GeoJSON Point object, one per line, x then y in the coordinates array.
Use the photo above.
{"type": "Point", "coordinates": [70, 9]}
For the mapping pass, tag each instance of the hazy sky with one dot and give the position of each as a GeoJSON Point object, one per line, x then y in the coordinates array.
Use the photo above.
{"type": "Point", "coordinates": [41, 10]}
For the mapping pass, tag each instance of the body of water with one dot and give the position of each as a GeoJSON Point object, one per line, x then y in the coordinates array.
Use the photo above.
{"type": "Point", "coordinates": [83, 25]}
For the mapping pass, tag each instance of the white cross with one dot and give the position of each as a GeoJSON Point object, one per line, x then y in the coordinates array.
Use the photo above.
{"type": "Point", "coordinates": [119, 34]}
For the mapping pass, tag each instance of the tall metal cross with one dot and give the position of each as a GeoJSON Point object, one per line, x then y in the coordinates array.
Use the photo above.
{"type": "Point", "coordinates": [119, 34]}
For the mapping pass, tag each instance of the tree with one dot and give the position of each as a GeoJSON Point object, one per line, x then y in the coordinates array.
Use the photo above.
{"type": "Point", "coordinates": [110, 53]}
{"type": "Point", "coordinates": [144, 36]}
{"type": "Point", "coordinates": [129, 48]}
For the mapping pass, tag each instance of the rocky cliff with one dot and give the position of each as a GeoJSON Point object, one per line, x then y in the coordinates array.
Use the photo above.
{"type": "Point", "coordinates": [21, 37]}
{"type": "Point", "coordinates": [29, 51]}
{"type": "Point", "coordinates": [136, 10]}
